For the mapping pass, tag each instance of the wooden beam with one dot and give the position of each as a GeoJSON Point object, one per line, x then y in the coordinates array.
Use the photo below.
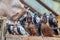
{"type": "Point", "coordinates": [46, 6]}
{"type": "Point", "coordinates": [32, 9]}
{"type": "Point", "coordinates": [17, 37]}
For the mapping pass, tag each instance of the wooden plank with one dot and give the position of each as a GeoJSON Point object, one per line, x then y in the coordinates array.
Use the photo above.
{"type": "Point", "coordinates": [31, 38]}
{"type": "Point", "coordinates": [14, 37]}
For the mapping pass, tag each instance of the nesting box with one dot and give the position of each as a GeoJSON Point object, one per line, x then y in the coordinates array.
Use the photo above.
{"type": "Point", "coordinates": [2, 27]}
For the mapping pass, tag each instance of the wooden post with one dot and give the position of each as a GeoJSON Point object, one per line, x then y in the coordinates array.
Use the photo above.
{"type": "Point", "coordinates": [3, 27]}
